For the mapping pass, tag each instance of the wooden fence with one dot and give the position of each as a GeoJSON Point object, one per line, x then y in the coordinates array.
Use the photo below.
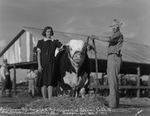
{"type": "Point", "coordinates": [133, 89]}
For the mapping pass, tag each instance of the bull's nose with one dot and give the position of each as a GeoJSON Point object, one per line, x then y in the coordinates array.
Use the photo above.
{"type": "Point", "coordinates": [77, 60]}
{"type": "Point", "coordinates": [79, 56]}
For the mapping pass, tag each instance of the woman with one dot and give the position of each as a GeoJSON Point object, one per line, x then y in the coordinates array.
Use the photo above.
{"type": "Point", "coordinates": [46, 59]}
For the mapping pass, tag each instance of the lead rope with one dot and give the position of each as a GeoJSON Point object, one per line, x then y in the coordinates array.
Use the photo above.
{"type": "Point", "coordinates": [90, 54]}
{"type": "Point", "coordinates": [96, 62]}
{"type": "Point", "coordinates": [96, 66]}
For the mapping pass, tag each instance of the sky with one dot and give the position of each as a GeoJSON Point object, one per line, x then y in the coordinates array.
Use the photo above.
{"type": "Point", "coordinates": [90, 17]}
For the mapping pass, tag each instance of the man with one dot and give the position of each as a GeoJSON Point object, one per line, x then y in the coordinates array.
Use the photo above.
{"type": "Point", "coordinates": [5, 79]}
{"type": "Point", "coordinates": [114, 63]}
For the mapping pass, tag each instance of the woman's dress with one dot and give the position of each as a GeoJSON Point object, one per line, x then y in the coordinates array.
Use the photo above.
{"type": "Point", "coordinates": [48, 61]}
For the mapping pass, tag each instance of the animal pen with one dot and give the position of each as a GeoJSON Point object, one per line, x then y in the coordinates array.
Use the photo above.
{"type": "Point", "coordinates": [20, 53]}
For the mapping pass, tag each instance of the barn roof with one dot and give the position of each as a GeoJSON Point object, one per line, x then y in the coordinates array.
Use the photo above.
{"type": "Point", "coordinates": [132, 52]}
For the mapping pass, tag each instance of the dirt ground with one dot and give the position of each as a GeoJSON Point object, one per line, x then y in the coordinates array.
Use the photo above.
{"type": "Point", "coordinates": [128, 106]}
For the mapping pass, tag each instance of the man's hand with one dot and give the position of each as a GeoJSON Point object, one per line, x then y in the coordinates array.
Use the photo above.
{"type": "Point", "coordinates": [90, 47]}
{"type": "Point", "coordinates": [92, 36]}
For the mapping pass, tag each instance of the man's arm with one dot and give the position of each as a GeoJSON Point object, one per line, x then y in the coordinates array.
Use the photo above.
{"type": "Point", "coordinates": [99, 38]}
{"type": "Point", "coordinates": [120, 43]}
{"type": "Point", "coordinates": [114, 40]}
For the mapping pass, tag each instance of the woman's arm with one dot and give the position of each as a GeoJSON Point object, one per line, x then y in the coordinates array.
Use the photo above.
{"type": "Point", "coordinates": [39, 47]}
{"type": "Point", "coordinates": [39, 60]}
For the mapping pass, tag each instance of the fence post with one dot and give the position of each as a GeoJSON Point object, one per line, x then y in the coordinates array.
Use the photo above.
{"type": "Point", "coordinates": [149, 80]}
{"type": "Point", "coordinates": [14, 80]}
{"type": "Point", "coordinates": [119, 79]}
{"type": "Point", "coordinates": [149, 85]}
{"type": "Point", "coordinates": [138, 82]}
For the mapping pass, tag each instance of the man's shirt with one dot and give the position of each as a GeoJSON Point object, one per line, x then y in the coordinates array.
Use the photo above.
{"type": "Point", "coordinates": [4, 71]}
{"type": "Point", "coordinates": [115, 44]}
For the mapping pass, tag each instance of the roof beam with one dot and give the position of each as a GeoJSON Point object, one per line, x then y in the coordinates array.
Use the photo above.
{"type": "Point", "coordinates": [12, 42]}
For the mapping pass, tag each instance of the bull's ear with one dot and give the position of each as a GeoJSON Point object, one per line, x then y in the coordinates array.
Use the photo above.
{"type": "Point", "coordinates": [65, 47]}
{"type": "Point", "coordinates": [68, 49]}
{"type": "Point", "coordinates": [85, 47]}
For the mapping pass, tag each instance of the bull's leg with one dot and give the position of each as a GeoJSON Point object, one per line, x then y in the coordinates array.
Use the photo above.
{"type": "Point", "coordinates": [55, 91]}
{"type": "Point", "coordinates": [76, 94]}
{"type": "Point", "coordinates": [82, 92]}
{"type": "Point", "coordinates": [58, 91]}
{"type": "Point", "coordinates": [72, 93]}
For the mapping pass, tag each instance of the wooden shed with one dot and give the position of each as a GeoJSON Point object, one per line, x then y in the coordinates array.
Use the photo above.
{"type": "Point", "coordinates": [20, 52]}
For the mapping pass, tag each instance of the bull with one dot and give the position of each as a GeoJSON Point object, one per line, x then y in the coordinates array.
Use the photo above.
{"type": "Point", "coordinates": [72, 69]}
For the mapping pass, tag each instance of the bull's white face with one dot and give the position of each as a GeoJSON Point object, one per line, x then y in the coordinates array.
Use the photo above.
{"type": "Point", "coordinates": [76, 45]}
{"type": "Point", "coordinates": [77, 50]}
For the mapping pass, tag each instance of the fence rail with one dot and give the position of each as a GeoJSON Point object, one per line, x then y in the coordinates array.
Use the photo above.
{"type": "Point", "coordinates": [21, 88]}
{"type": "Point", "coordinates": [122, 87]}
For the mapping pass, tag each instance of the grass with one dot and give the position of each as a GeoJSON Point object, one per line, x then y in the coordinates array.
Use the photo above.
{"type": "Point", "coordinates": [90, 105]}
{"type": "Point", "coordinates": [57, 105]}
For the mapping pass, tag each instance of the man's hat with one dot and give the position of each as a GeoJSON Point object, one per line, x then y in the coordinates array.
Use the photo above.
{"type": "Point", "coordinates": [116, 23]}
